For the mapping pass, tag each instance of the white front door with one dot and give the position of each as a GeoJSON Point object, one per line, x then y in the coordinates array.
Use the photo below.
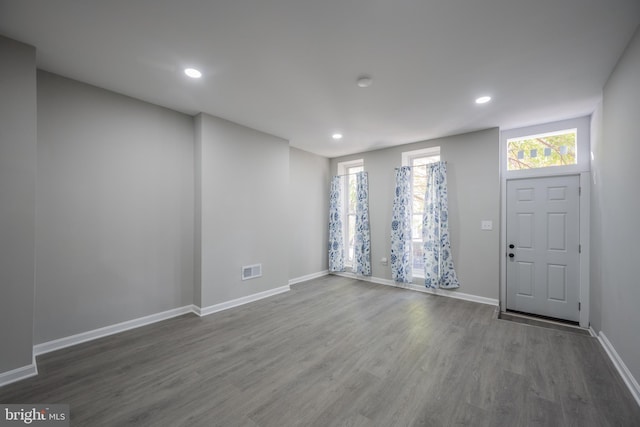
{"type": "Point", "coordinates": [543, 238]}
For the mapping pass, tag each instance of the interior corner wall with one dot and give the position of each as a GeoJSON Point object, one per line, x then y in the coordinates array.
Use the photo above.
{"type": "Point", "coordinates": [308, 213]}
{"type": "Point", "coordinates": [595, 225]}
{"type": "Point", "coordinates": [197, 214]}
{"type": "Point", "coordinates": [18, 139]}
{"type": "Point", "coordinates": [474, 195]}
{"type": "Point", "coordinates": [244, 209]}
{"type": "Point", "coordinates": [115, 209]}
{"type": "Point", "coordinates": [616, 176]}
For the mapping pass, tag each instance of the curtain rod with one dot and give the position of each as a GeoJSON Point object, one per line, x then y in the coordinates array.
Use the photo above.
{"type": "Point", "coordinates": [420, 166]}
{"type": "Point", "coordinates": [348, 174]}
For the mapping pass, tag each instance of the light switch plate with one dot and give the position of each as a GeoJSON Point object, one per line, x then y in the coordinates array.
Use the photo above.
{"type": "Point", "coordinates": [486, 224]}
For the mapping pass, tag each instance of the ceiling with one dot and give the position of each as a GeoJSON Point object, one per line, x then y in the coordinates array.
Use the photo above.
{"type": "Point", "coordinates": [289, 67]}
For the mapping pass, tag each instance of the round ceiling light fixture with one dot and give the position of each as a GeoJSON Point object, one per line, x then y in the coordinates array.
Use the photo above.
{"type": "Point", "coordinates": [364, 81]}
{"type": "Point", "coordinates": [483, 100]}
{"type": "Point", "coordinates": [337, 136]}
{"type": "Point", "coordinates": [193, 73]}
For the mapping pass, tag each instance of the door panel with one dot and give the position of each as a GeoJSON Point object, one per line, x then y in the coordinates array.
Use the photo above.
{"type": "Point", "coordinates": [525, 230]}
{"type": "Point", "coordinates": [556, 231]}
{"type": "Point", "coordinates": [543, 227]}
{"type": "Point", "coordinates": [525, 278]}
{"type": "Point", "coordinates": [557, 282]}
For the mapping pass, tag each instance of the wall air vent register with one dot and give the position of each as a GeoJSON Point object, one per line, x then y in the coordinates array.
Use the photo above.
{"type": "Point", "coordinates": [251, 271]}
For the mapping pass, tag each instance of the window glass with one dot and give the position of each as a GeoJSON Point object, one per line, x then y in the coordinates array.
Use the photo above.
{"type": "Point", "coordinates": [541, 151]}
{"type": "Point", "coordinates": [349, 170]}
{"type": "Point", "coordinates": [417, 160]}
{"type": "Point", "coordinates": [351, 210]}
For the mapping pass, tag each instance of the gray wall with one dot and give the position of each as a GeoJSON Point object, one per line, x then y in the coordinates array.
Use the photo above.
{"type": "Point", "coordinates": [115, 208]}
{"type": "Point", "coordinates": [474, 195]}
{"type": "Point", "coordinates": [18, 140]}
{"type": "Point", "coordinates": [243, 199]}
{"type": "Point", "coordinates": [308, 213]}
{"type": "Point", "coordinates": [616, 205]}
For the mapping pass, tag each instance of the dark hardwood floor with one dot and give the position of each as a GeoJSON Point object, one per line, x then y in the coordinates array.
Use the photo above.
{"type": "Point", "coordinates": [336, 352]}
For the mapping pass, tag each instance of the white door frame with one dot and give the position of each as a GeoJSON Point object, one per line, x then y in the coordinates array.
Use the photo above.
{"type": "Point", "coordinates": [584, 243]}
{"type": "Point", "coordinates": [583, 125]}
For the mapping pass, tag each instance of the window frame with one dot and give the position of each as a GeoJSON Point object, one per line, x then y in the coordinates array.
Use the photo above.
{"type": "Point", "coordinates": [542, 136]}
{"type": "Point", "coordinates": [343, 170]}
{"type": "Point", "coordinates": [582, 126]}
{"type": "Point", "coordinates": [408, 158]}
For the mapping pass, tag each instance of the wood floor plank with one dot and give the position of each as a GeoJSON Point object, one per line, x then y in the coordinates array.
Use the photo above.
{"type": "Point", "coordinates": [336, 352]}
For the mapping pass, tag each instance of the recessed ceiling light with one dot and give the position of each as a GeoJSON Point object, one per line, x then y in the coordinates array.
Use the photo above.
{"type": "Point", "coordinates": [193, 73]}
{"type": "Point", "coordinates": [336, 136]}
{"type": "Point", "coordinates": [364, 81]}
{"type": "Point", "coordinates": [483, 100]}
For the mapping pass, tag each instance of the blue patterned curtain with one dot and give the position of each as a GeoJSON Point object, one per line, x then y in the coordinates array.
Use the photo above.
{"type": "Point", "coordinates": [401, 268]}
{"type": "Point", "coordinates": [438, 261]}
{"type": "Point", "coordinates": [362, 245]}
{"type": "Point", "coordinates": [336, 242]}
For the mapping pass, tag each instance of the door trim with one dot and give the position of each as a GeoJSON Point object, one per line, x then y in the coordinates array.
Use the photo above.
{"type": "Point", "coordinates": [584, 273]}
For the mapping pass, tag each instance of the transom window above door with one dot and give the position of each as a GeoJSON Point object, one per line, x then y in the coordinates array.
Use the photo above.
{"type": "Point", "coordinates": [556, 148]}
{"type": "Point", "coordinates": [543, 150]}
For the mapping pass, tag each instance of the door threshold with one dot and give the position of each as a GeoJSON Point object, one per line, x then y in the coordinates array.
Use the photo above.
{"type": "Point", "coordinates": [543, 322]}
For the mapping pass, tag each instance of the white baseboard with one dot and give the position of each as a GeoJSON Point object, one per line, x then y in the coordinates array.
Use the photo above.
{"type": "Point", "coordinates": [61, 343]}
{"type": "Point", "coordinates": [239, 301]}
{"type": "Point", "coordinates": [626, 375]}
{"type": "Point", "coordinates": [418, 288]}
{"type": "Point", "coordinates": [19, 374]}
{"type": "Point", "coordinates": [109, 330]}
{"type": "Point", "coordinates": [308, 277]}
